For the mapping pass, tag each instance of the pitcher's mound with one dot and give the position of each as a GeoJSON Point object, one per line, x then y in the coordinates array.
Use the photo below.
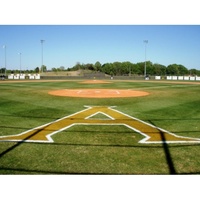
{"type": "Point", "coordinates": [98, 93]}
{"type": "Point", "coordinates": [94, 82]}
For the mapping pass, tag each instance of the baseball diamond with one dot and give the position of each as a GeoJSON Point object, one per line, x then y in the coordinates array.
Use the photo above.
{"type": "Point", "coordinates": [44, 129]}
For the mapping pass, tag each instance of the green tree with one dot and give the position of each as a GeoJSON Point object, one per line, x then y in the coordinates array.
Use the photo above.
{"type": "Point", "coordinates": [172, 69]}
{"type": "Point", "coordinates": [194, 72]}
{"type": "Point", "coordinates": [141, 68]}
{"type": "Point", "coordinates": [2, 70]}
{"type": "Point", "coordinates": [126, 68]}
{"type": "Point", "coordinates": [182, 70]}
{"type": "Point", "coordinates": [97, 66]}
{"type": "Point", "coordinates": [149, 68]}
{"type": "Point", "coordinates": [159, 69]}
{"type": "Point", "coordinates": [37, 70]}
{"type": "Point", "coordinates": [136, 69]}
{"type": "Point", "coordinates": [77, 66]}
{"type": "Point", "coordinates": [43, 68]}
{"type": "Point", "coordinates": [117, 68]}
{"type": "Point", "coordinates": [89, 66]}
{"type": "Point", "coordinates": [54, 69]}
{"type": "Point", "coordinates": [62, 68]}
{"type": "Point", "coordinates": [108, 68]}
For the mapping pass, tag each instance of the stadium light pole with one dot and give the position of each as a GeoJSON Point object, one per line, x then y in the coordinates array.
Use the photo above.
{"type": "Point", "coordinates": [145, 43]}
{"type": "Point", "coordinates": [4, 46]}
{"type": "Point", "coordinates": [42, 41]}
{"type": "Point", "coordinates": [20, 62]}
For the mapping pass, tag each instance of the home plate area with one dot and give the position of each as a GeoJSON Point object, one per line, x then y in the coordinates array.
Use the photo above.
{"type": "Point", "coordinates": [98, 93]}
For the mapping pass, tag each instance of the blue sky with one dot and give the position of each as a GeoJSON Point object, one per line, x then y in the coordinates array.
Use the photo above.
{"type": "Point", "coordinates": [65, 45]}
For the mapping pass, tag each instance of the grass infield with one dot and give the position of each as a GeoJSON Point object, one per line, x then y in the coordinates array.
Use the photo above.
{"type": "Point", "coordinates": [95, 149]}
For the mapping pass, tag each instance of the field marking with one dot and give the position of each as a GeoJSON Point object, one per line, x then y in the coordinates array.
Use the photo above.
{"type": "Point", "coordinates": [151, 133]}
{"type": "Point", "coordinates": [115, 91]}
{"type": "Point", "coordinates": [100, 113]}
{"type": "Point", "coordinates": [79, 91]}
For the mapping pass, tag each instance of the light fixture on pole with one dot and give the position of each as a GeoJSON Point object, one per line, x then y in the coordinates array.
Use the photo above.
{"type": "Point", "coordinates": [42, 41]}
{"type": "Point", "coordinates": [4, 46]}
{"type": "Point", "coordinates": [145, 73]}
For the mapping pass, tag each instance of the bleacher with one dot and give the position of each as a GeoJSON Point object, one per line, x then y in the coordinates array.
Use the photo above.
{"type": "Point", "coordinates": [23, 76]}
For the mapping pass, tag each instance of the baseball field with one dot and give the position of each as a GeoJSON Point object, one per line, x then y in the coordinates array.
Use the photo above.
{"type": "Point", "coordinates": [99, 127]}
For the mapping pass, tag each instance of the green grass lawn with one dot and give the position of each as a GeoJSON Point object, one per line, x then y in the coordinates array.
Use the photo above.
{"type": "Point", "coordinates": [99, 149]}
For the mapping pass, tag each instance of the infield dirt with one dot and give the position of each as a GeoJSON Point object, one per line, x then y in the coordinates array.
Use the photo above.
{"type": "Point", "coordinates": [98, 93]}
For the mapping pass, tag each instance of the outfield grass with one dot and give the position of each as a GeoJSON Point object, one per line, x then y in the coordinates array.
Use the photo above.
{"type": "Point", "coordinates": [99, 149]}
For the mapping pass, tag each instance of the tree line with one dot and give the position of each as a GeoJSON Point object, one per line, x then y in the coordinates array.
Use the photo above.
{"type": "Point", "coordinates": [37, 70]}
{"type": "Point", "coordinates": [120, 69]}
{"type": "Point", "coordinates": [128, 68]}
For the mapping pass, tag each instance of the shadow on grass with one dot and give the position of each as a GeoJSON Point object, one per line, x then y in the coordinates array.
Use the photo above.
{"type": "Point", "coordinates": [8, 170]}
{"type": "Point", "coordinates": [168, 157]}
{"type": "Point", "coordinates": [29, 171]}
{"type": "Point", "coordinates": [19, 143]}
{"type": "Point", "coordinates": [163, 145]}
{"type": "Point", "coordinates": [49, 172]}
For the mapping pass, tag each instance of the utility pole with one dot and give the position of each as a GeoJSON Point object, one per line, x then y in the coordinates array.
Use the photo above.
{"type": "Point", "coordinates": [20, 62]}
{"type": "Point", "coordinates": [42, 41]}
{"type": "Point", "coordinates": [4, 46]}
{"type": "Point", "coordinates": [145, 70]}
